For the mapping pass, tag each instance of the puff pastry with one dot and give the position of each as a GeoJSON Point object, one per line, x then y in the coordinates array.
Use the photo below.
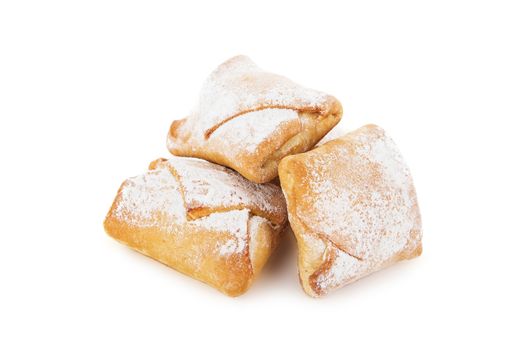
{"type": "Point", "coordinates": [352, 207]}
{"type": "Point", "coordinates": [249, 119]}
{"type": "Point", "coordinates": [201, 219]}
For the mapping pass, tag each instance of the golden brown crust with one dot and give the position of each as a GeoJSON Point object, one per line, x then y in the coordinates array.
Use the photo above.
{"type": "Point", "coordinates": [226, 248]}
{"type": "Point", "coordinates": [249, 119]}
{"type": "Point", "coordinates": [352, 207]}
{"type": "Point", "coordinates": [231, 274]}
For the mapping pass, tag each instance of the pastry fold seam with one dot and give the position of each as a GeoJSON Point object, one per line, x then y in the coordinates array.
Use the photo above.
{"type": "Point", "coordinates": [197, 212]}
{"type": "Point", "coordinates": [211, 130]}
{"type": "Point", "coordinates": [287, 148]}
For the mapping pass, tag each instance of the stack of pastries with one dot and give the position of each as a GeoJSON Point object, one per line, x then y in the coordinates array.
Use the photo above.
{"type": "Point", "coordinates": [246, 163]}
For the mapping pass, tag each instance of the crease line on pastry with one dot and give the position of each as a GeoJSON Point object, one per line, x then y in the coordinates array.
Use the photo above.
{"type": "Point", "coordinates": [285, 149]}
{"type": "Point", "coordinates": [338, 246]}
{"type": "Point", "coordinates": [326, 238]}
{"type": "Point", "coordinates": [271, 157]}
{"type": "Point", "coordinates": [195, 213]}
{"type": "Point", "coordinates": [326, 266]}
{"type": "Point", "coordinates": [248, 245]}
{"type": "Point", "coordinates": [182, 193]}
{"type": "Point", "coordinates": [201, 212]}
{"type": "Point", "coordinates": [211, 130]}
{"type": "Point", "coordinates": [321, 269]}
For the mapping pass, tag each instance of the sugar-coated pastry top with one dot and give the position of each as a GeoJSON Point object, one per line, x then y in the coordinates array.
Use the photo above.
{"type": "Point", "coordinates": [153, 200]}
{"type": "Point", "coordinates": [352, 201]}
{"type": "Point", "coordinates": [184, 194]}
{"type": "Point", "coordinates": [239, 86]}
{"type": "Point", "coordinates": [364, 197]}
{"type": "Point", "coordinates": [249, 119]}
{"type": "Point", "coordinates": [201, 219]}
{"type": "Point", "coordinates": [208, 187]}
{"type": "Point", "coordinates": [191, 189]}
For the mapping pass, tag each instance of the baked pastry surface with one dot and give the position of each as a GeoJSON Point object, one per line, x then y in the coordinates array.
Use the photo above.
{"type": "Point", "coordinates": [201, 219]}
{"type": "Point", "coordinates": [249, 119]}
{"type": "Point", "coordinates": [352, 207]}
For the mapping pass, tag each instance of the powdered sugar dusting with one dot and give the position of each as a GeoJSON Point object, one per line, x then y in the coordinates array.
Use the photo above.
{"type": "Point", "coordinates": [343, 269]}
{"type": "Point", "coordinates": [143, 197]}
{"type": "Point", "coordinates": [147, 198]}
{"type": "Point", "coordinates": [208, 185]}
{"type": "Point", "coordinates": [238, 86]}
{"type": "Point", "coordinates": [234, 222]}
{"type": "Point", "coordinates": [251, 129]}
{"type": "Point", "coordinates": [375, 203]}
{"type": "Point", "coordinates": [156, 199]}
{"type": "Point", "coordinates": [363, 201]}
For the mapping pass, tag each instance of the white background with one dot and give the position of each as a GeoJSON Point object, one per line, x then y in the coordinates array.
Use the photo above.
{"type": "Point", "coordinates": [88, 91]}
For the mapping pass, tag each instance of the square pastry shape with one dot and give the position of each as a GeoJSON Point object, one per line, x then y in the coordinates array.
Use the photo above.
{"type": "Point", "coordinates": [249, 119]}
{"type": "Point", "coordinates": [352, 207]}
{"type": "Point", "coordinates": [201, 219]}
